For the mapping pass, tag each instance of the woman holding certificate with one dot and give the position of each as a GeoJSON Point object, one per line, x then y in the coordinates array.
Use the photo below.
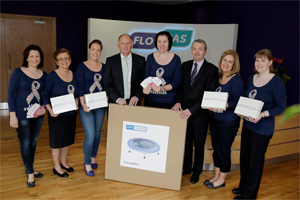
{"type": "Point", "coordinates": [60, 83]}
{"type": "Point", "coordinates": [90, 80]}
{"type": "Point", "coordinates": [256, 133]}
{"type": "Point", "coordinates": [225, 124]}
{"type": "Point", "coordinates": [24, 101]}
{"type": "Point", "coordinates": [166, 66]}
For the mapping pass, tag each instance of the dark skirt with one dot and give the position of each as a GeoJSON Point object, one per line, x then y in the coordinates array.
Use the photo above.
{"type": "Point", "coordinates": [62, 130]}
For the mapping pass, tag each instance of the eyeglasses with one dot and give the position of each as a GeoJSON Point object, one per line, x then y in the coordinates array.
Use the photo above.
{"type": "Point", "coordinates": [62, 59]}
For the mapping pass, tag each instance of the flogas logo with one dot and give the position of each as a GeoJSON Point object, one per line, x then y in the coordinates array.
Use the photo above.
{"type": "Point", "coordinates": [145, 40]}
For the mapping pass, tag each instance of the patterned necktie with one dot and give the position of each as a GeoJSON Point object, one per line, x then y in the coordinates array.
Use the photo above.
{"type": "Point", "coordinates": [194, 73]}
{"type": "Point", "coordinates": [125, 78]}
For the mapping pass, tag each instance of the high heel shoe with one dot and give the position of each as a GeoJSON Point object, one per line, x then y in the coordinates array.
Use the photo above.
{"type": "Point", "coordinates": [94, 165]}
{"type": "Point", "coordinates": [88, 173]}
{"type": "Point", "coordinates": [70, 169]}
{"type": "Point", "coordinates": [64, 175]}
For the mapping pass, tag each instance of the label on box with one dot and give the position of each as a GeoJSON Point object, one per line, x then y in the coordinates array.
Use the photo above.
{"type": "Point", "coordinates": [64, 103]}
{"type": "Point", "coordinates": [96, 100]}
{"type": "Point", "coordinates": [217, 100]}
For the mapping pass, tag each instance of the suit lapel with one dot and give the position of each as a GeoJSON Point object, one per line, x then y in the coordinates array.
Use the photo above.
{"type": "Point", "coordinates": [132, 67]}
{"type": "Point", "coordinates": [119, 73]}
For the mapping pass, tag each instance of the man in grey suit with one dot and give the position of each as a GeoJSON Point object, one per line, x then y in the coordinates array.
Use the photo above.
{"type": "Point", "coordinates": [198, 76]}
{"type": "Point", "coordinates": [123, 74]}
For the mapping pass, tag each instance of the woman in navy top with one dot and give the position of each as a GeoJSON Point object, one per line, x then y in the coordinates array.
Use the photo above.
{"type": "Point", "coordinates": [62, 126]}
{"type": "Point", "coordinates": [167, 67]}
{"type": "Point", "coordinates": [256, 133]}
{"type": "Point", "coordinates": [26, 85]}
{"type": "Point", "coordinates": [90, 80]}
{"type": "Point", "coordinates": [225, 124]}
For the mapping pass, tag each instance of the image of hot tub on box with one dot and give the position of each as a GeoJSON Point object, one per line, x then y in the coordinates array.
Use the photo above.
{"type": "Point", "coordinates": [144, 146]}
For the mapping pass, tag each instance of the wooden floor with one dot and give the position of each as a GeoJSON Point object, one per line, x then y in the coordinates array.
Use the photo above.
{"type": "Point", "coordinates": [280, 181]}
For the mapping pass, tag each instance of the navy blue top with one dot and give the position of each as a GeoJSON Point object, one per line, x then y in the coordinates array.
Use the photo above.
{"type": "Point", "coordinates": [170, 73]}
{"type": "Point", "coordinates": [23, 92]}
{"type": "Point", "coordinates": [235, 89]}
{"type": "Point", "coordinates": [273, 95]}
{"type": "Point", "coordinates": [55, 87]}
{"type": "Point", "coordinates": [88, 81]}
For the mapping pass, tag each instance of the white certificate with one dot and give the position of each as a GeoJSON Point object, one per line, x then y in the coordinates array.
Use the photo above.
{"type": "Point", "coordinates": [96, 100]}
{"type": "Point", "coordinates": [216, 100]}
{"type": "Point", "coordinates": [146, 82]}
{"type": "Point", "coordinates": [157, 81]}
{"type": "Point", "coordinates": [64, 103]}
{"type": "Point", "coordinates": [249, 107]}
{"type": "Point", "coordinates": [31, 113]}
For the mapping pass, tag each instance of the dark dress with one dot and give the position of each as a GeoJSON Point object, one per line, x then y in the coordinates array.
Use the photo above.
{"type": "Point", "coordinates": [61, 128]}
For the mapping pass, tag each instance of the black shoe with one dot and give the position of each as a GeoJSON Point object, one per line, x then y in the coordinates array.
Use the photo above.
{"type": "Point", "coordinates": [30, 184]}
{"type": "Point", "coordinates": [211, 186]}
{"type": "Point", "coordinates": [70, 169]}
{"type": "Point", "coordinates": [194, 178]}
{"type": "Point", "coordinates": [186, 172]}
{"type": "Point", "coordinates": [64, 175]}
{"type": "Point", "coordinates": [236, 191]}
{"type": "Point", "coordinates": [38, 175]}
{"type": "Point", "coordinates": [206, 182]}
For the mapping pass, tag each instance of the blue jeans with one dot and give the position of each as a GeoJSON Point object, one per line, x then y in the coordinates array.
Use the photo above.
{"type": "Point", "coordinates": [28, 132]}
{"type": "Point", "coordinates": [92, 125]}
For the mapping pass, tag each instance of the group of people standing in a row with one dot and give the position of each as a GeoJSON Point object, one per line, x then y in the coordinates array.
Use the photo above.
{"type": "Point", "coordinates": [182, 90]}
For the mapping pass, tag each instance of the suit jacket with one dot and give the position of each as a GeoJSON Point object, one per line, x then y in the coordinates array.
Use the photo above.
{"type": "Point", "coordinates": [190, 96]}
{"type": "Point", "coordinates": [113, 77]}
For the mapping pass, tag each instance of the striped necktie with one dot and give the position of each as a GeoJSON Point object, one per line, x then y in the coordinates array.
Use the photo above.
{"type": "Point", "coordinates": [194, 73]}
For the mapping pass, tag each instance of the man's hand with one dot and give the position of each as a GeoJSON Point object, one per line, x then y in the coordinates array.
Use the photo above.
{"type": "Point", "coordinates": [133, 101]}
{"type": "Point", "coordinates": [121, 101]}
{"type": "Point", "coordinates": [185, 114]}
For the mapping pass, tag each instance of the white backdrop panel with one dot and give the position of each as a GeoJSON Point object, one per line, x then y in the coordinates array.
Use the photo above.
{"type": "Point", "coordinates": [219, 37]}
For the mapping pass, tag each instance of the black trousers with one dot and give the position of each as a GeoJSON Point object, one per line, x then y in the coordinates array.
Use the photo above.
{"type": "Point", "coordinates": [222, 136]}
{"type": "Point", "coordinates": [195, 137]}
{"type": "Point", "coordinates": [252, 159]}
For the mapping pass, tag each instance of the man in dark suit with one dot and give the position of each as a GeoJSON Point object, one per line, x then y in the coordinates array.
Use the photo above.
{"type": "Point", "coordinates": [123, 74]}
{"type": "Point", "coordinates": [198, 76]}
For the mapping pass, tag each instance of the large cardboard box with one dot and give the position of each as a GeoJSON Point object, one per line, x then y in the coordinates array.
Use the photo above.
{"type": "Point", "coordinates": [145, 146]}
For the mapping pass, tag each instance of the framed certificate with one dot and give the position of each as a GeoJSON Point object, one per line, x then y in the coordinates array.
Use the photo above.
{"type": "Point", "coordinates": [96, 100]}
{"type": "Point", "coordinates": [216, 100]}
{"type": "Point", "coordinates": [64, 103]}
{"type": "Point", "coordinates": [249, 107]}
